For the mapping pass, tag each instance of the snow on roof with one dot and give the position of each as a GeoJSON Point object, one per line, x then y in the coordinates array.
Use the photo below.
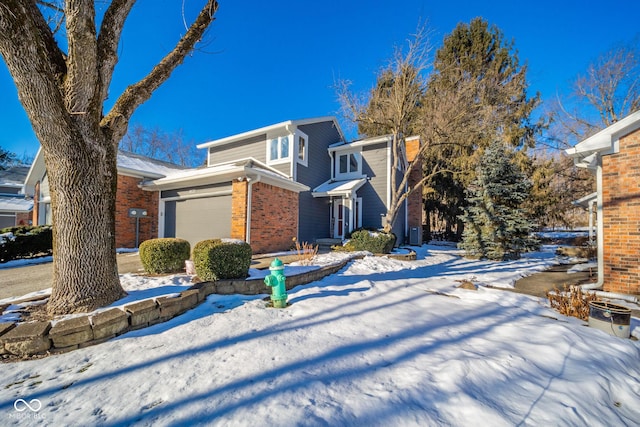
{"type": "Point", "coordinates": [146, 166]}
{"type": "Point", "coordinates": [15, 204]}
{"type": "Point", "coordinates": [14, 176]}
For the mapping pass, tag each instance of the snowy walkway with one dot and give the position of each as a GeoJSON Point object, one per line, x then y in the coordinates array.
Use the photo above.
{"type": "Point", "coordinates": [382, 342]}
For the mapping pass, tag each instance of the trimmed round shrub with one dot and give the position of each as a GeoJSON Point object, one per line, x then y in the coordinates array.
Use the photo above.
{"type": "Point", "coordinates": [164, 255]}
{"type": "Point", "coordinates": [218, 259]}
{"type": "Point", "coordinates": [377, 242]}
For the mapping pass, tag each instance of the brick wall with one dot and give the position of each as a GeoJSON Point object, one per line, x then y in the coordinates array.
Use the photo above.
{"type": "Point", "coordinates": [274, 218]}
{"type": "Point", "coordinates": [23, 218]}
{"type": "Point", "coordinates": [414, 201]}
{"type": "Point", "coordinates": [239, 210]}
{"type": "Point", "coordinates": [621, 217]}
{"type": "Point", "coordinates": [130, 196]}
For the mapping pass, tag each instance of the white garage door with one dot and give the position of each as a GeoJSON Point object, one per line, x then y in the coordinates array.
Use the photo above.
{"type": "Point", "coordinates": [198, 219]}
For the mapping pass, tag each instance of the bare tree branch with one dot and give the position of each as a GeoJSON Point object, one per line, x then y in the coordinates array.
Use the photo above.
{"type": "Point", "coordinates": [141, 91]}
{"type": "Point", "coordinates": [39, 58]}
{"type": "Point", "coordinates": [108, 40]}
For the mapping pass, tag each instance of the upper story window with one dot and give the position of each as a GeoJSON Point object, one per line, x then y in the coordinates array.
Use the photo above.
{"type": "Point", "coordinates": [302, 148]}
{"type": "Point", "coordinates": [349, 164]}
{"type": "Point", "coordinates": [278, 149]}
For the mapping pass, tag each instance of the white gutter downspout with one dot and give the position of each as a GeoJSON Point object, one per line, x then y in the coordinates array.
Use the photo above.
{"type": "Point", "coordinates": [595, 287]}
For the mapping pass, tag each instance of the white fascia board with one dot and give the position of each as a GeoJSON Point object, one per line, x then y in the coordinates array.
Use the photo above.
{"type": "Point", "coordinates": [139, 174]}
{"type": "Point", "coordinates": [360, 143]}
{"type": "Point", "coordinates": [194, 177]}
{"type": "Point", "coordinates": [275, 180]}
{"type": "Point", "coordinates": [606, 141]}
{"type": "Point", "coordinates": [36, 172]}
{"type": "Point", "coordinates": [270, 128]}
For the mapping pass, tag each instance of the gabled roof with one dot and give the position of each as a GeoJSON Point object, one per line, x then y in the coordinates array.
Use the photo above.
{"type": "Point", "coordinates": [128, 164]}
{"type": "Point", "coordinates": [14, 176]}
{"type": "Point", "coordinates": [145, 167]}
{"type": "Point", "coordinates": [272, 128]}
{"type": "Point", "coordinates": [604, 142]}
{"type": "Point", "coordinates": [224, 172]}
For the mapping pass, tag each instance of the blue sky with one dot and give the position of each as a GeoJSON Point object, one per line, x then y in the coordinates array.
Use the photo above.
{"type": "Point", "coordinates": [266, 62]}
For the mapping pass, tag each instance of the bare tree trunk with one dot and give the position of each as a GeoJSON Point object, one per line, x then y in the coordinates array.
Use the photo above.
{"type": "Point", "coordinates": [63, 94]}
{"type": "Point", "coordinates": [86, 271]}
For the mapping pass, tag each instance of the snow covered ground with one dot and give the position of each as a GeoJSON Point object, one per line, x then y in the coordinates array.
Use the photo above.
{"type": "Point", "coordinates": [382, 342]}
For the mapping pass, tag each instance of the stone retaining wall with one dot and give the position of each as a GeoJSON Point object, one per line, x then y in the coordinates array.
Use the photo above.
{"type": "Point", "coordinates": [28, 339]}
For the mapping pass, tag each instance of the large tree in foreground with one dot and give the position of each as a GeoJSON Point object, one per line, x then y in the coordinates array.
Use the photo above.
{"type": "Point", "coordinates": [63, 87]}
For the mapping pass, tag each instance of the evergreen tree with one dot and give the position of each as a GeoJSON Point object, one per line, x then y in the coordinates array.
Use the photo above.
{"type": "Point", "coordinates": [496, 226]}
{"type": "Point", "coordinates": [477, 94]}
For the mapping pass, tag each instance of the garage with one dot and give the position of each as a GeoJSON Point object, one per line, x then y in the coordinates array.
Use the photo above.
{"type": "Point", "coordinates": [198, 218]}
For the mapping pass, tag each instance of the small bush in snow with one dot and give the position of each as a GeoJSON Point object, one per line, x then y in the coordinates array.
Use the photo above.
{"type": "Point", "coordinates": [165, 255]}
{"type": "Point", "coordinates": [217, 259]}
{"type": "Point", "coordinates": [377, 242]}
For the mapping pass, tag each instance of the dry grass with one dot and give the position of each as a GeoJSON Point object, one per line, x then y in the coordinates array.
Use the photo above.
{"type": "Point", "coordinates": [572, 301]}
{"type": "Point", "coordinates": [306, 251]}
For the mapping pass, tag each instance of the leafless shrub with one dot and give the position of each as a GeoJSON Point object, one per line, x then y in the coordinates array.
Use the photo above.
{"type": "Point", "coordinates": [572, 301]}
{"type": "Point", "coordinates": [306, 251]}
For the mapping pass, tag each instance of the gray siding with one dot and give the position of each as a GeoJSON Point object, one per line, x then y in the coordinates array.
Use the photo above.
{"type": "Point", "coordinates": [374, 192]}
{"type": "Point", "coordinates": [9, 189]}
{"type": "Point", "coordinates": [315, 219]}
{"type": "Point", "coordinates": [255, 147]}
{"type": "Point", "coordinates": [7, 219]}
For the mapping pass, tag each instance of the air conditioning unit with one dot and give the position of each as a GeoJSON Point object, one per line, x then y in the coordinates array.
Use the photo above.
{"type": "Point", "coordinates": [414, 236]}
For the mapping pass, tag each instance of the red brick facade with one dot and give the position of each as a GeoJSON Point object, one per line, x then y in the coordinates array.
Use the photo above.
{"type": "Point", "coordinates": [239, 210]}
{"type": "Point", "coordinates": [23, 218]}
{"type": "Point", "coordinates": [621, 216]}
{"type": "Point", "coordinates": [274, 218]}
{"type": "Point", "coordinates": [130, 196]}
{"type": "Point", "coordinates": [414, 201]}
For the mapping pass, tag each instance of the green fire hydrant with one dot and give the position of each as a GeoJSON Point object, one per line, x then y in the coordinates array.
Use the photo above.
{"type": "Point", "coordinates": [276, 281]}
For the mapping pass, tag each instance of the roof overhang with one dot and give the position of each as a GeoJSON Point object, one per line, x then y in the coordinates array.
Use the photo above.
{"type": "Point", "coordinates": [338, 188]}
{"type": "Point", "coordinates": [246, 168]}
{"type": "Point", "coordinates": [585, 154]}
{"type": "Point", "coordinates": [284, 126]}
{"type": "Point", "coordinates": [345, 146]}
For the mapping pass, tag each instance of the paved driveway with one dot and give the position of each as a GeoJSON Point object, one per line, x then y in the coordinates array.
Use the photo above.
{"type": "Point", "coordinates": [15, 282]}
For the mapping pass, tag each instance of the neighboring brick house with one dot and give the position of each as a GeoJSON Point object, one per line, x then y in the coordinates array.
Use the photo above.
{"type": "Point", "coordinates": [132, 170]}
{"type": "Point", "coordinates": [295, 179]}
{"type": "Point", "coordinates": [15, 206]}
{"type": "Point", "coordinates": [613, 154]}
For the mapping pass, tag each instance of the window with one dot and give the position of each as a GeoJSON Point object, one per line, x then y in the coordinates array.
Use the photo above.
{"type": "Point", "coordinates": [302, 149]}
{"type": "Point", "coordinates": [278, 149]}
{"type": "Point", "coordinates": [348, 164]}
